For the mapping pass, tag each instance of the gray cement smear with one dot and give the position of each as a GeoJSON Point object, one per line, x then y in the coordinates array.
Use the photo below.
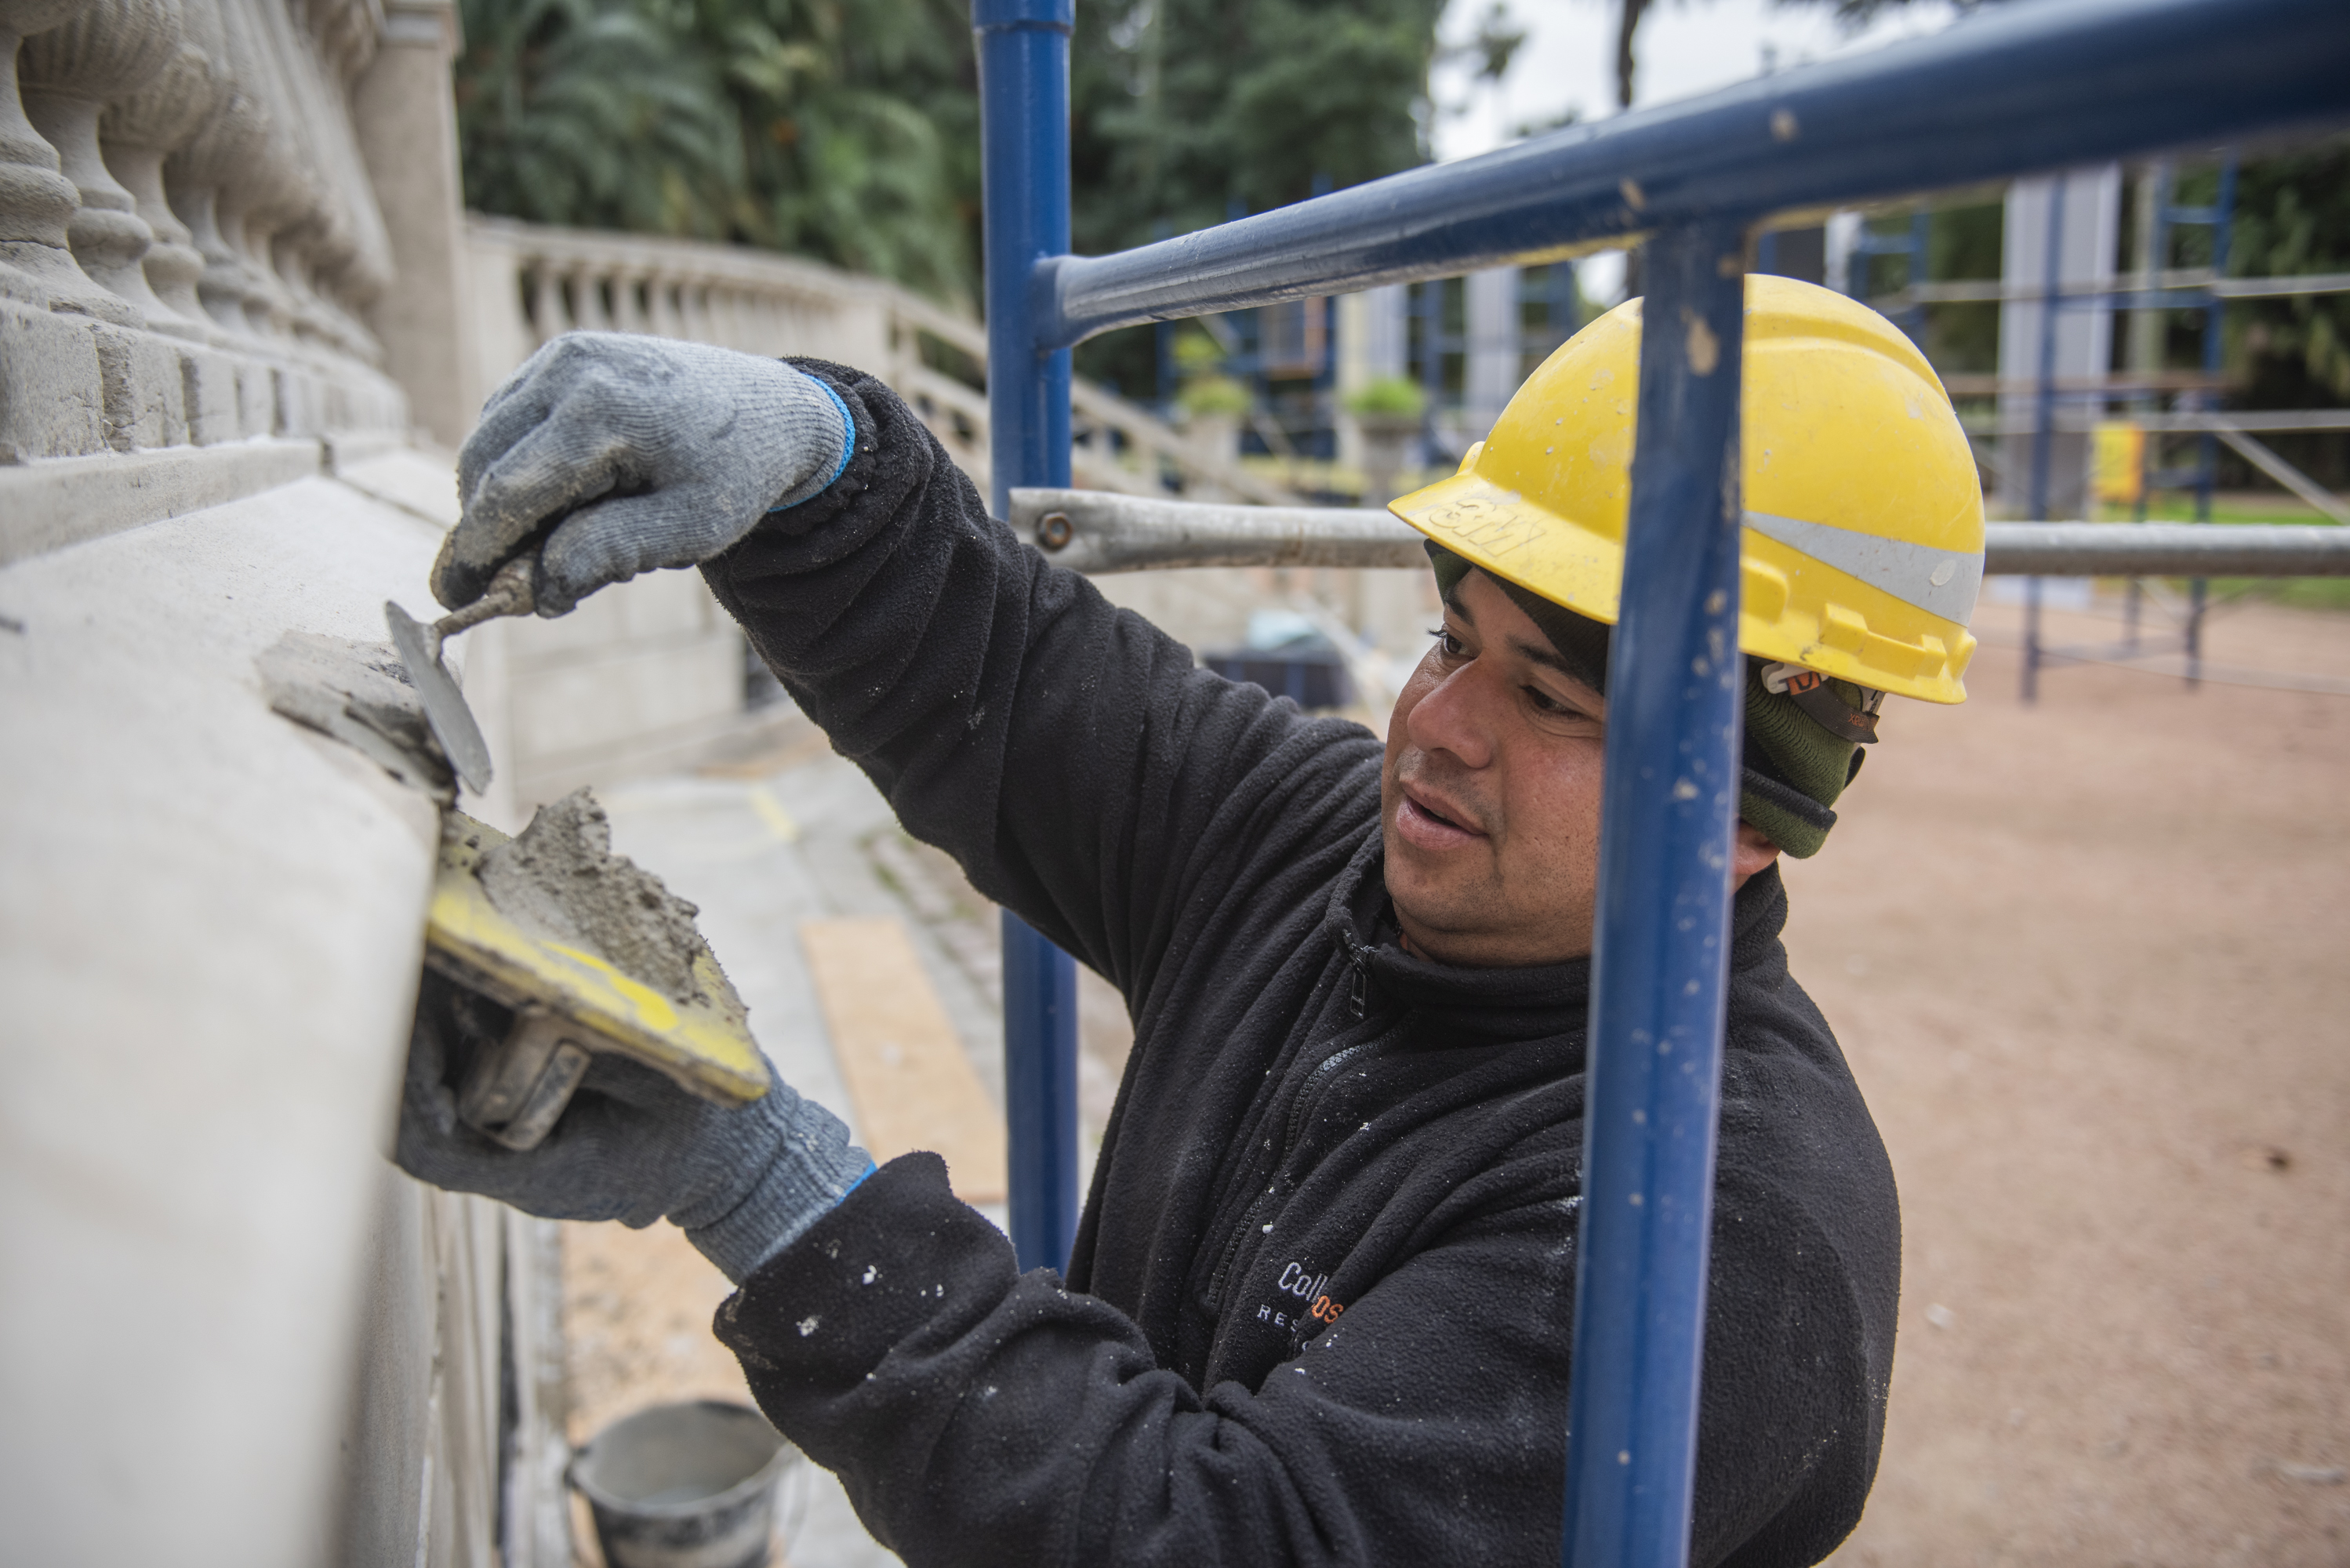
{"type": "Point", "coordinates": [561, 880]}
{"type": "Point", "coordinates": [358, 693]}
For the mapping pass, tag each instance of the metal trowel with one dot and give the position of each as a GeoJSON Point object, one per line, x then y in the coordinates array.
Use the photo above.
{"type": "Point", "coordinates": [419, 643]}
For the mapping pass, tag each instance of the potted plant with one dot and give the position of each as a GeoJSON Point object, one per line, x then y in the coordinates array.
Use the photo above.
{"type": "Point", "coordinates": [1390, 411]}
{"type": "Point", "coordinates": [1213, 407]}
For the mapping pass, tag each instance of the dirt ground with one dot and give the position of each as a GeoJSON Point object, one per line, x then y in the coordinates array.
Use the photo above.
{"type": "Point", "coordinates": [2087, 959]}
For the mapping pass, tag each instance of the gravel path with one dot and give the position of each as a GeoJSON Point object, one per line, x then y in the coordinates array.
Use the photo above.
{"type": "Point", "coordinates": [2087, 959]}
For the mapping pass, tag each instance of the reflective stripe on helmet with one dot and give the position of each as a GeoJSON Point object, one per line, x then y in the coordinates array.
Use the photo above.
{"type": "Point", "coordinates": [1940, 582]}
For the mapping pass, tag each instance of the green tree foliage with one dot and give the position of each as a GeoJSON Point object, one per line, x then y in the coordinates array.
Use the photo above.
{"type": "Point", "coordinates": [2292, 215]}
{"type": "Point", "coordinates": [592, 113]}
{"type": "Point", "coordinates": [846, 129]}
{"type": "Point", "coordinates": [1188, 109]}
{"type": "Point", "coordinates": [861, 130]}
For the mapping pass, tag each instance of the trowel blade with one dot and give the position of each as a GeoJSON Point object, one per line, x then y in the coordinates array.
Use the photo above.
{"type": "Point", "coordinates": [444, 705]}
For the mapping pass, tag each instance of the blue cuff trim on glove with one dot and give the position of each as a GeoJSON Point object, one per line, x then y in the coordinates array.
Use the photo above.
{"type": "Point", "coordinates": [847, 447]}
{"type": "Point", "coordinates": [870, 1168]}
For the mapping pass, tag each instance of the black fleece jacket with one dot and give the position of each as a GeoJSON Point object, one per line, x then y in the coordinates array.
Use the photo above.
{"type": "Point", "coordinates": [1318, 1310]}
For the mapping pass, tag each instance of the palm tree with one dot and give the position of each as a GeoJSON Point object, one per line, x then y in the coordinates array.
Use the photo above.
{"type": "Point", "coordinates": [845, 130]}
{"type": "Point", "coordinates": [589, 112]}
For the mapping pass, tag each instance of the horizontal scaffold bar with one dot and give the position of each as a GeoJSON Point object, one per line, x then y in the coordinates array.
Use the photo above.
{"type": "Point", "coordinates": [2197, 284]}
{"type": "Point", "coordinates": [2166, 550]}
{"type": "Point", "coordinates": [1097, 532]}
{"type": "Point", "coordinates": [2076, 420]}
{"type": "Point", "coordinates": [2009, 91]}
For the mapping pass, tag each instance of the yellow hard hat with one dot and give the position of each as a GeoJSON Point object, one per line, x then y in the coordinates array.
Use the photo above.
{"type": "Point", "coordinates": [1863, 546]}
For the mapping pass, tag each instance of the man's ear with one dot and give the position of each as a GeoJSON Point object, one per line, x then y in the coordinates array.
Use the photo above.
{"type": "Point", "coordinates": [1752, 852]}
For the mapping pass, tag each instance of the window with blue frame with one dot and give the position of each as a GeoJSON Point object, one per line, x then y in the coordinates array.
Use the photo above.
{"type": "Point", "coordinates": [1435, 341]}
{"type": "Point", "coordinates": [1549, 312]}
{"type": "Point", "coordinates": [1294, 344]}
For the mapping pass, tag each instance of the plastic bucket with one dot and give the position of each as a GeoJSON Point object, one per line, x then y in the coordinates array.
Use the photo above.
{"type": "Point", "coordinates": [689, 1485]}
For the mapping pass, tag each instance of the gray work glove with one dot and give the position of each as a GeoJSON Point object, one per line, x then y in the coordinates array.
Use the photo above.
{"type": "Point", "coordinates": [651, 452]}
{"type": "Point", "coordinates": [742, 1183]}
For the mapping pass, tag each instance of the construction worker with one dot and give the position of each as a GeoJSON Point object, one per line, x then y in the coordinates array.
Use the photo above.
{"type": "Point", "coordinates": [1318, 1306]}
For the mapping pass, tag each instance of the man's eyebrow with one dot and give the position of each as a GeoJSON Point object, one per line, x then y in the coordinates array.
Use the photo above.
{"type": "Point", "coordinates": [1542, 653]}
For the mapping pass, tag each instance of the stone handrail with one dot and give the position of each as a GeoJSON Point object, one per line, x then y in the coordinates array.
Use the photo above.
{"type": "Point", "coordinates": [190, 241]}
{"type": "Point", "coordinates": [531, 283]}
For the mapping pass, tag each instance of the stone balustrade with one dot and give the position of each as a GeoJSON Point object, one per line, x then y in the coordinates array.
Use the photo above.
{"type": "Point", "coordinates": [190, 244]}
{"type": "Point", "coordinates": [531, 283]}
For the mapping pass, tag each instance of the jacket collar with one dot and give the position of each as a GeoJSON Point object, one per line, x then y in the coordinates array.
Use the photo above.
{"type": "Point", "coordinates": [1495, 1004]}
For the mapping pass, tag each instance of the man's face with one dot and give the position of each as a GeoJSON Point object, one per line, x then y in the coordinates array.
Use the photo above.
{"type": "Point", "coordinates": [1489, 796]}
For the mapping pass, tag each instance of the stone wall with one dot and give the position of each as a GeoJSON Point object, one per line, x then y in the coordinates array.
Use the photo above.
{"type": "Point", "coordinates": [230, 1331]}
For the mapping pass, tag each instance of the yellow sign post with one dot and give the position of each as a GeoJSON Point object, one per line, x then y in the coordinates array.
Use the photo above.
{"type": "Point", "coordinates": [2118, 459]}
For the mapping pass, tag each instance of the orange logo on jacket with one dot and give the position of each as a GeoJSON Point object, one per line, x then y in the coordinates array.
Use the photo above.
{"type": "Point", "coordinates": [1300, 1282]}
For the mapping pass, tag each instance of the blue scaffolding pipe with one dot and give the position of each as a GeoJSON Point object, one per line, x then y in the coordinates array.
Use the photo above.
{"type": "Point", "coordinates": [1024, 86]}
{"type": "Point", "coordinates": [2043, 423]}
{"type": "Point", "coordinates": [2020, 91]}
{"type": "Point", "coordinates": [2013, 92]}
{"type": "Point", "coordinates": [1660, 950]}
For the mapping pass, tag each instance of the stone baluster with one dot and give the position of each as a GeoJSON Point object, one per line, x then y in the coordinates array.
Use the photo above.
{"type": "Point", "coordinates": [667, 320]}
{"type": "Point", "coordinates": [332, 255]}
{"type": "Point", "coordinates": [109, 50]}
{"type": "Point", "coordinates": [37, 200]}
{"type": "Point", "coordinates": [550, 318]}
{"type": "Point", "coordinates": [342, 288]}
{"type": "Point", "coordinates": [347, 32]}
{"type": "Point", "coordinates": [693, 310]}
{"type": "Point", "coordinates": [137, 134]}
{"type": "Point", "coordinates": [305, 255]}
{"type": "Point", "coordinates": [587, 309]}
{"type": "Point", "coordinates": [273, 185]}
{"type": "Point", "coordinates": [627, 309]}
{"type": "Point", "coordinates": [283, 189]}
{"type": "Point", "coordinates": [231, 143]}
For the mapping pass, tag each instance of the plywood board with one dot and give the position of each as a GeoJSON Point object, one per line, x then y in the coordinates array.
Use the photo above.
{"type": "Point", "coordinates": [904, 1062]}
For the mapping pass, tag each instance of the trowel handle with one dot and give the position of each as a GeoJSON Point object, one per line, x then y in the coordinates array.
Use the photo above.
{"type": "Point", "coordinates": [509, 593]}
{"type": "Point", "coordinates": [514, 1091]}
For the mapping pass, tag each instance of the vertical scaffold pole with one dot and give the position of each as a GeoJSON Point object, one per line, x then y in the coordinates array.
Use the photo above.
{"type": "Point", "coordinates": [2207, 460]}
{"type": "Point", "coordinates": [1676, 690]}
{"type": "Point", "coordinates": [2043, 423]}
{"type": "Point", "coordinates": [1024, 94]}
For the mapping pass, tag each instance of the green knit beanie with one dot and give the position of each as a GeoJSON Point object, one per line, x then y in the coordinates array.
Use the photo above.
{"type": "Point", "coordinates": [1794, 768]}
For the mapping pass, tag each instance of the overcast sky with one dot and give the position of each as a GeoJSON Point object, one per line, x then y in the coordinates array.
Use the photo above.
{"type": "Point", "coordinates": [1685, 46]}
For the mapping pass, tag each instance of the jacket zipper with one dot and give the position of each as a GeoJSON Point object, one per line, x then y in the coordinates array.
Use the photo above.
{"type": "Point", "coordinates": [1306, 1094]}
